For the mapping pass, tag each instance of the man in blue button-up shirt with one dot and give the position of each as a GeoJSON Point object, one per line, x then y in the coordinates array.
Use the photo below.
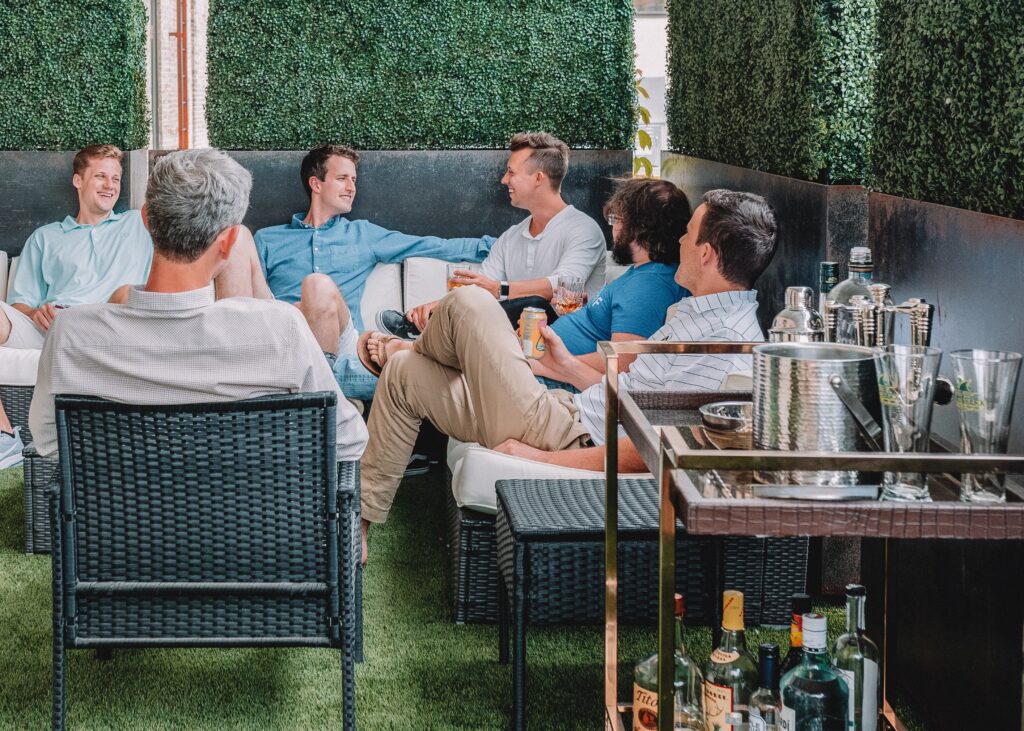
{"type": "Point", "coordinates": [323, 241]}
{"type": "Point", "coordinates": [81, 260]}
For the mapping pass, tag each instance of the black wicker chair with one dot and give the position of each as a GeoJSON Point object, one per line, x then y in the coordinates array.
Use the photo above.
{"type": "Point", "coordinates": [210, 525]}
{"type": "Point", "coordinates": [16, 400]}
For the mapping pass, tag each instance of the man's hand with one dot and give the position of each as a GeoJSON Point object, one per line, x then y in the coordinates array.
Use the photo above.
{"type": "Point", "coordinates": [419, 315]}
{"type": "Point", "coordinates": [516, 448]}
{"type": "Point", "coordinates": [557, 362]}
{"type": "Point", "coordinates": [476, 278]}
{"type": "Point", "coordinates": [43, 316]}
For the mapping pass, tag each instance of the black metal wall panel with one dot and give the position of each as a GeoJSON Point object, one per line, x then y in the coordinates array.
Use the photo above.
{"type": "Point", "coordinates": [800, 207]}
{"type": "Point", "coordinates": [970, 266]}
{"type": "Point", "coordinates": [35, 189]}
{"type": "Point", "coordinates": [436, 192]}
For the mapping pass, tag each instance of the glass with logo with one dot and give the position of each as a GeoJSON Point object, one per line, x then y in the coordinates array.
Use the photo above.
{"type": "Point", "coordinates": [986, 383]}
{"type": "Point", "coordinates": [906, 389]}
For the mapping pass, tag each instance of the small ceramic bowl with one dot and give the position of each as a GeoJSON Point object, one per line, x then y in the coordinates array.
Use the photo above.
{"type": "Point", "coordinates": [725, 416]}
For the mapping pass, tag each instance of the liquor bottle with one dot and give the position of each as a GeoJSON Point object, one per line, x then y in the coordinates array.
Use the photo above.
{"type": "Point", "coordinates": [687, 692]}
{"type": "Point", "coordinates": [730, 676]}
{"type": "Point", "coordinates": [856, 657]}
{"type": "Point", "coordinates": [800, 604]}
{"type": "Point", "coordinates": [860, 274]}
{"type": "Point", "coordinates": [814, 696]}
{"type": "Point", "coordinates": [828, 277]}
{"type": "Point", "coordinates": [765, 704]}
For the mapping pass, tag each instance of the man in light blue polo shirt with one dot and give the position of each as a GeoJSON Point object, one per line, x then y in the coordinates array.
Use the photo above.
{"type": "Point", "coordinates": [81, 260]}
{"type": "Point", "coordinates": [323, 241]}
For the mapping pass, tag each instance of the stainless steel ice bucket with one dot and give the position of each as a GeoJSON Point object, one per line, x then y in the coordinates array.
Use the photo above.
{"type": "Point", "coordinates": [797, 408]}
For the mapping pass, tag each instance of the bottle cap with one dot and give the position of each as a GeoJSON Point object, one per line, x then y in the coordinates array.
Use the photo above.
{"type": "Point", "coordinates": [855, 590]}
{"type": "Point", "coordinates": [801, 603]}
{"type": "Point", "coordinates": [815, 628]}
{"type": "Point", "coordinates": [768, 649]}
{"type": "Point", "coordinates": [860, 255]}
{"type": "Point", "coordinates": [680, 605]}
{"type": "Point", "coordinates": [732, 610]}
{"type": "Point", "coordinates": [798, 298]}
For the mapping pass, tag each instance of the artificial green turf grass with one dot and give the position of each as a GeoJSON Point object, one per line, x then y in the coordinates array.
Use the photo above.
{"type": "Point", "coordinates": [421, 671]}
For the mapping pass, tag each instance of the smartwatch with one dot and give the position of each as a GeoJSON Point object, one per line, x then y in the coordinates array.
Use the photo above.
{"type": "Point", "coordinates": [503, 292]}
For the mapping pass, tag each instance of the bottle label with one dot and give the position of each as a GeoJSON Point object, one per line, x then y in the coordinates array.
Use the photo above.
{"type": "Point", "coordinates": [869, 711]}
{"type": "Point", "coordinates": [722, 657]}
{"type": "Point", "coordinates": [850, 678]}
{"type": "Point", "coordinates": [787, 719]}
{"type": "Point", "coordinates": [717, 703]}
{"type": "Point", "coordinates": [756, 722]}
{"type": "Point", "coordinates": [796, 632]}
{"type": "Point", "coordinates": [645, 709]}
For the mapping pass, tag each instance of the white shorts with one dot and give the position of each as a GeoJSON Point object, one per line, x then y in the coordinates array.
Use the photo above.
{"type": "Point", "coordinates": [24, 333]}
{"type": "Point", "coordinates": [349, 341]}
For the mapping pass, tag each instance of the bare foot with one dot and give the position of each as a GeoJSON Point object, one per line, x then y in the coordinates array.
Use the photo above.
{"type": "Point", "coordinates": [390, 345]}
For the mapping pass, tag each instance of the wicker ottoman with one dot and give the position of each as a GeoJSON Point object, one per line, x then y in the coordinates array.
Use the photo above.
{"type": "Point", "coordinates": [472, 564]}
{"type": "Point", "coordinates": [550, 542]}
{"type": "Point", "coordinates": [40, 472]}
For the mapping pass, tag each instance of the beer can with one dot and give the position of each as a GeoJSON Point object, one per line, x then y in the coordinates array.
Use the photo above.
{"type": "Point", "coordinates": [530, 323]}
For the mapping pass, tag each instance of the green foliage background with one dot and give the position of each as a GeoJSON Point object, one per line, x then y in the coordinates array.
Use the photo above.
{"type": "Point", "coordinates": [410, 74]}
{"type": "Point", "coordinates": [950, 118]}
{"type": "Point", "coordinates": [782, 86]}
{"type": "Point", "coordinates": [72, 74]}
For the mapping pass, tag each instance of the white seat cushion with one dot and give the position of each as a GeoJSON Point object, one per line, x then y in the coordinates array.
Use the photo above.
{"type": "Point", "coordinates": [383, 292]}
{"type": "Point", "coordinates": [18, 367]}
{"type": "Point", "coordinates": [4, 260]}
{"type": "Point", "coordinates": [424, 280]}
{"type": "Point", "coordinates": [475, 469]}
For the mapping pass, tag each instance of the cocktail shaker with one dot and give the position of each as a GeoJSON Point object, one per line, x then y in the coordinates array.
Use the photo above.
{"type": "Point", "coordinates": [799, 322]}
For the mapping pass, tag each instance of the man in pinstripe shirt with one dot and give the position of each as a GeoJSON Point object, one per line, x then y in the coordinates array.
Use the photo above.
{"type": "Point", "coordinates": [467, 373]}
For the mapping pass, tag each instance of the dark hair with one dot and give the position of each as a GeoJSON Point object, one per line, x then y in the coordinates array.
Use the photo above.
{"type": "Point", "coordinates": [315, 162]}
{"type": "Point", "coordinates": [550, 155]}
{"type": "Point", "coordinates": [742, 229]}
{"type": "Point", "coordinates": [654, 213]}
{"type": "Point", "coordinates": [95, 152]}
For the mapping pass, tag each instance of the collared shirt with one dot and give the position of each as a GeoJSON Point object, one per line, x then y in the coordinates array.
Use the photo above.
{"type": "Point", "coordinates": [726, 316]}
{"type": "Point", "coordinates": [71, 263]}
{"type": "Point", "coordinates": [347, 252]}
{"type": "Point", "coordinates": [572, 244]}
{"type": "Point", "coordinates": [184, 347]}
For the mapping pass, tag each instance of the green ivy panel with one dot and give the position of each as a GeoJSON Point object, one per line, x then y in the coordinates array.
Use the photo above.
{"type": "Point", "coordinates": [950, 124]}
{"type": "Point", "coordinates": [412, 74]}
{"type": "Point", "coordinates": [782, 86]}
{"type": "Point", "coordinates": [72, 74]}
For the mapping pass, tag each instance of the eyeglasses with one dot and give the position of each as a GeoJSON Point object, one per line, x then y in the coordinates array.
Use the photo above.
{"type": "Point", "coordinates": [612, 219]}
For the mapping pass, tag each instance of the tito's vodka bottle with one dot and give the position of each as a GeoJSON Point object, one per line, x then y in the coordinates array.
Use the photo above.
{"type": "Point", "coordinates": [730, 676]}
{"type": "Point", "coordinates": [814, 697]}
{"type": "Point", "coordinates": [856, 658]}
{"type": "Point", "coordinates": [688, 682]}
{"type": "Point", "coordinates": [861, 271]}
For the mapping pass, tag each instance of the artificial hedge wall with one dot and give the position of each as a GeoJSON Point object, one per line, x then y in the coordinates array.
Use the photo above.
{"type": "Point", "coordinates": [781, 86]}
{"type": "Point", "coordinates": [409, 74]}
{"type": "Point", "coordinates": [950, 124]}
{"type": "Point", "coordinates": [72, 74]}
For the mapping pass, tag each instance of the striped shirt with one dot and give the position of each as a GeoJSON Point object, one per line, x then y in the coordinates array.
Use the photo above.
{"type": "Point", "coordinates": [726, 316]}
{"type": "Point", "coordinates": [181, 348]}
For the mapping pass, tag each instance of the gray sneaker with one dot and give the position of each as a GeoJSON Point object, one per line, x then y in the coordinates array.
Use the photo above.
{"type": "Point", "coordinates": [395, 323]}
{"type": "Point", "coordinates": [11, 449]}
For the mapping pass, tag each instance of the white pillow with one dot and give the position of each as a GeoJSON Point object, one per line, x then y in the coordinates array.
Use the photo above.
{"type": "Point", "coordinates": [424, 280]}
{"type": "Point", "coordinates": [383, 292]}
{"type": "Point", "coordinates": [475, 470]}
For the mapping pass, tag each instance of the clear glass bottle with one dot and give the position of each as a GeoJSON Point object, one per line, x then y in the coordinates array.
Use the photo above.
{"type": "Point", "coordinates": [814, 696]}
{"type": "Point", "coordinates": [801, 604]}
{"type": "Point", "coordinates": [730, 677]}
{"type": "Point", "coordinates": [861, 271]}
{"type": "Point", "coordinates": [688, 686]}
{"type": "Point", "coordinates": [855, 656]}
{"type": "Point", "coordinates": [765, 704]}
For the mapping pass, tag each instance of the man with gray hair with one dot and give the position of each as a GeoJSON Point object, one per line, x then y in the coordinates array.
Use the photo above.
{"type": "Point", "coordinates": [173, 342]}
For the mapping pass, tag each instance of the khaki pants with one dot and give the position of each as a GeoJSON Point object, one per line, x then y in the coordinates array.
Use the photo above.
{"type": "Point", "coordinates": [467, 374]}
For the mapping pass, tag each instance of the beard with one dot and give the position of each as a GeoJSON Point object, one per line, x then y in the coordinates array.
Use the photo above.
{"type": "Point", "coordinates": [621, 253]}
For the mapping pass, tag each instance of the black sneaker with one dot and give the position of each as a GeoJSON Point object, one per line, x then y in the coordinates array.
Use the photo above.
{"type": "Point", "coordinates": [418, 465]}
{"type": "Point", "coordinates": [395, 323]}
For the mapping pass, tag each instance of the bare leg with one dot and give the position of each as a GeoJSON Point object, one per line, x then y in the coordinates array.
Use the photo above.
{"type": "Point", "coordinates": [243, 276]}
{"type": "Point", "coordinates": [324, 309]}
{"type": "Point", "coordinates": [5, 423]}
{"type": "Point", "coordinates": [5, 327]}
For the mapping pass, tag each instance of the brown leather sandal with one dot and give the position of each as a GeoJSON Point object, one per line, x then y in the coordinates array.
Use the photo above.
{"type": "Point", "coordinates": [363, 350]}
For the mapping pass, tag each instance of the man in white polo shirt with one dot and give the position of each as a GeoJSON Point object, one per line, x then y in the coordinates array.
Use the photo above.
{"type": "Point", "coordinates": [81, 260]}
{"type": "Point", "coordinates": [466, 373]}
{"type": "Point", "coordinates": [523, 266]}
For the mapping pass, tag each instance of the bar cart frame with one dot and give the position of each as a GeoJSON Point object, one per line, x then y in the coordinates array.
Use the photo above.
{"type": "Point", "coordinates": [673, 461]}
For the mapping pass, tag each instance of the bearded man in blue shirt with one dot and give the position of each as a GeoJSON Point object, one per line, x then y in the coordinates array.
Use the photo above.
{"type": "Point", "coordinates": [322, 241]}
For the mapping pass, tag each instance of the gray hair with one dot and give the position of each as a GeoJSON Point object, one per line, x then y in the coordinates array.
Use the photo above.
{"type": "Point", "coordinates": [191, 198]}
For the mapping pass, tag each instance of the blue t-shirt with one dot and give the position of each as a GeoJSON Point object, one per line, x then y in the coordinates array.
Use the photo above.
{"type": "Point", "coordinates": [634, 303]}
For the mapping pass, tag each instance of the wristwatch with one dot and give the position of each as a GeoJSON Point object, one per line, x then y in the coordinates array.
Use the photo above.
{"type": "Point", "coordinates": [503, 292]}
